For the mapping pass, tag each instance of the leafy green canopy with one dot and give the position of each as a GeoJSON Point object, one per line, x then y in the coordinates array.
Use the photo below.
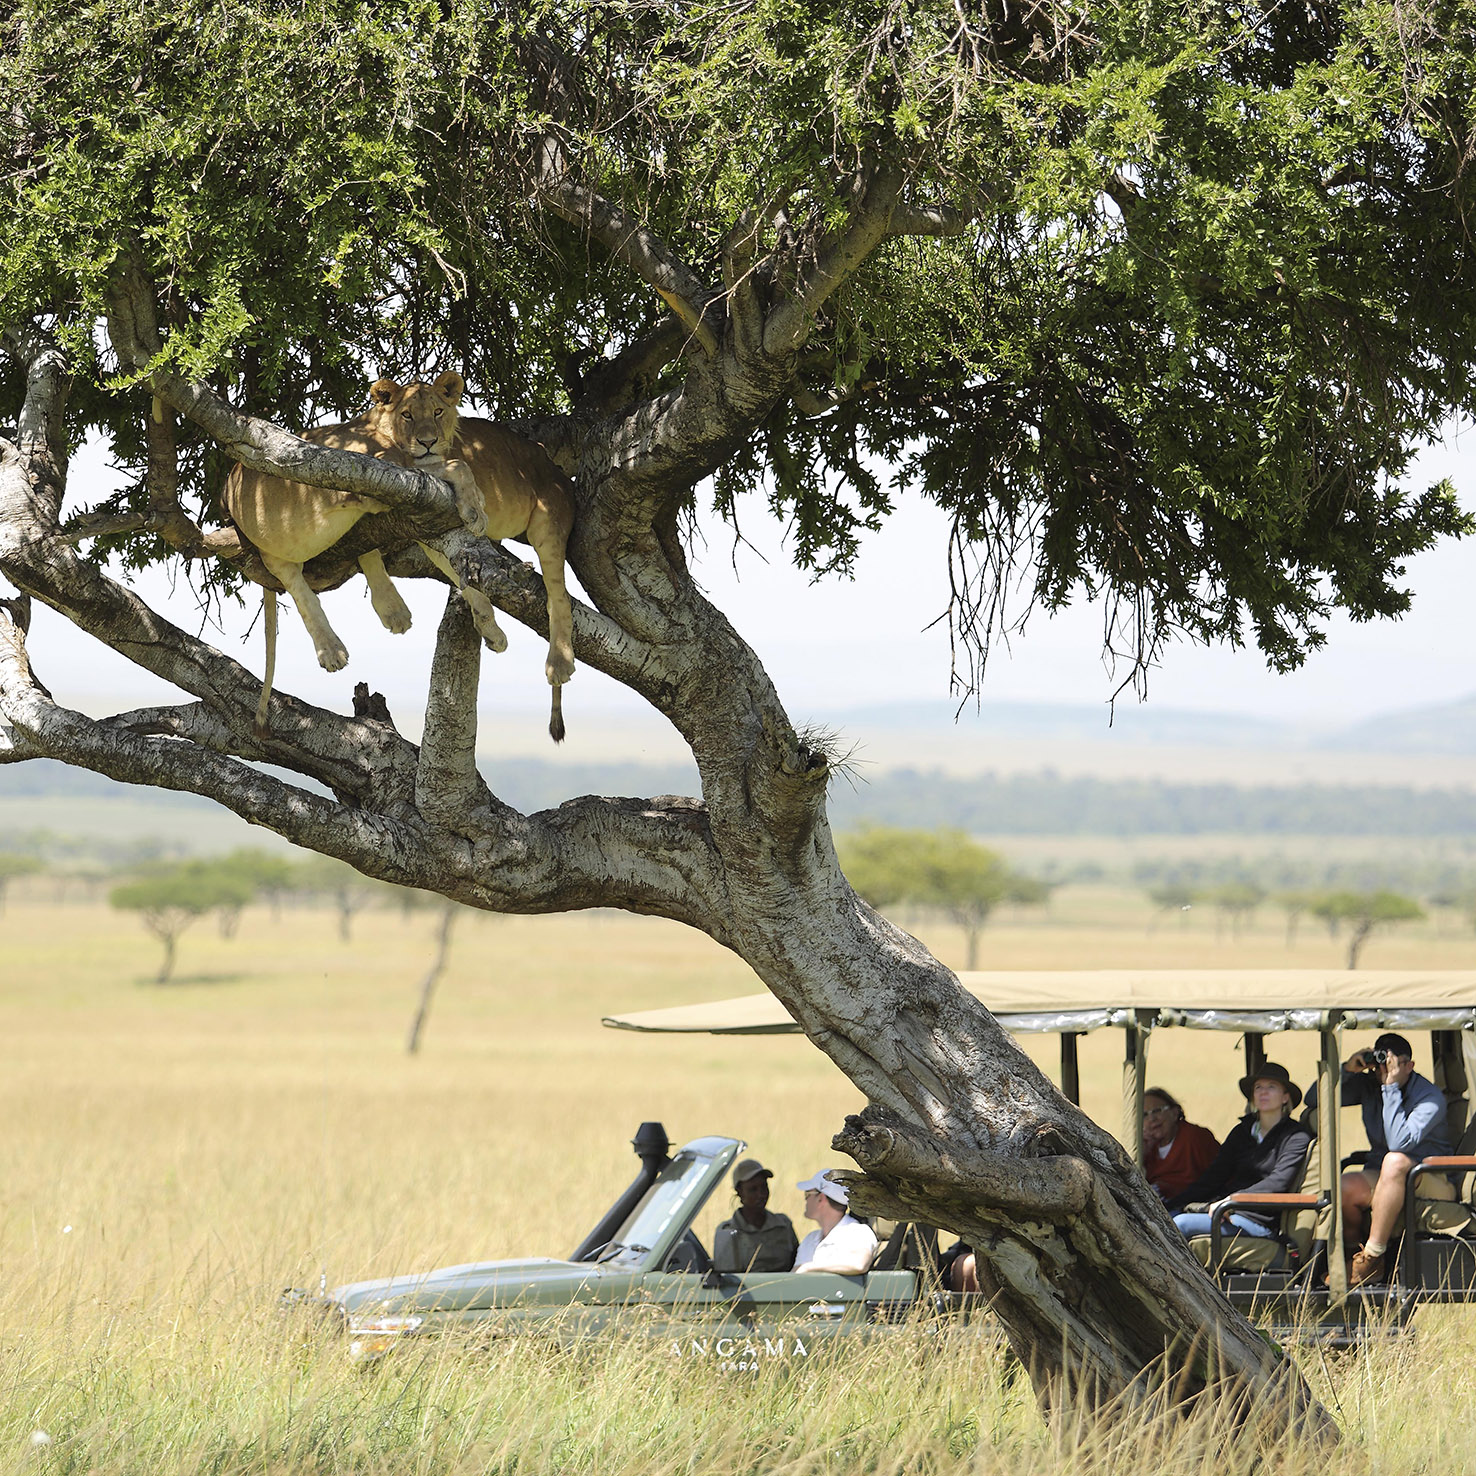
{"type": "Point", "coordinates": [1218, 278]}
{"type": "Point", "coordinates": [932, 868]}
{"type": "Point", "coordinates": [189, 888]}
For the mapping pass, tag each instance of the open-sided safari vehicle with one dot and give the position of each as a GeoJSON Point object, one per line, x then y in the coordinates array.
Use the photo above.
{"type": "Point", "coordinates": [643, 1265]}
{"type": "Point", "coordinates": [1296, 1281]}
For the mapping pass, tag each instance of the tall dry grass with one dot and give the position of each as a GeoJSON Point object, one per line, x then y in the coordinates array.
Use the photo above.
{"type": "Point", "coordinates": [172, 1157]}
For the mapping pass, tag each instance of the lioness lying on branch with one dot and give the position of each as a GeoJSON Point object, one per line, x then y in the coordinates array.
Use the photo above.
{"type": "Point", "coordinates": [505, 487]}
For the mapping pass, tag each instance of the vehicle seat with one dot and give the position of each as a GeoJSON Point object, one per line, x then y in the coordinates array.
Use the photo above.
{"type": "Point", "coordinates": [1286, 1251]}
{"type": "Point", "coordinates": [1455, 1217]}
{"type": "Point", "coordinates": [904, 1246]}
{"type": "Point", "coordinates": [688, 1255]}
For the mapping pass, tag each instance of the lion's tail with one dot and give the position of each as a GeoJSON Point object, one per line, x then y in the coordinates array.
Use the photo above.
{"type": "Point", "coordinates": [269, 624]}
{"type": "Point", "coordinates": [556, 716]}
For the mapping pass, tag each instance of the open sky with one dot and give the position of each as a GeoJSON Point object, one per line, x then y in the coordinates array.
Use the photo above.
{"type": "Point", "coordinates": [841, 643]}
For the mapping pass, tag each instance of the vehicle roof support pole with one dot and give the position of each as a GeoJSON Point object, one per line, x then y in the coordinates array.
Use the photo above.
{"type": "Point", "coordinates": [1255, 1051]}
{"type": "Point", "coordinates": [1134, 1073]}
{"type": "Point", "coordinates": [1329, 1155]}
{"type": "Point", "coordinates": [1448, 1070]}
{"type": "Point", "coordinates": [1070, 1068]}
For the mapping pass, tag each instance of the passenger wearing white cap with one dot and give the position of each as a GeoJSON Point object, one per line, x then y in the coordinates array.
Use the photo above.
{"type": "Point", "coordinates": [754, 1237]}
{"type": "Point", "coordinates": [842, 1243]}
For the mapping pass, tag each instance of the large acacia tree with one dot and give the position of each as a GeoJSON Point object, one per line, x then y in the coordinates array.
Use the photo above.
{"type": "Point", "coordinates": [1154, 299]}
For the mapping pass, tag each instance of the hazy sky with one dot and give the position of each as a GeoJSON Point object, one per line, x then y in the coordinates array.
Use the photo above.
{"type": "Point", "coordinates": [843, 643]}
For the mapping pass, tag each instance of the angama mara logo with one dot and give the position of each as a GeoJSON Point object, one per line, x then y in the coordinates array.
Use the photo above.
{"type": "Point", "coordinates": [739, 1355]}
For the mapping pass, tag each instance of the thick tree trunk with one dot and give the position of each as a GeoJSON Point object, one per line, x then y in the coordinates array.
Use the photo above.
{"type": "Point", "coordinates": [1099, 1295]}
{"type": "Point", "coordinates": [1095, 1288]}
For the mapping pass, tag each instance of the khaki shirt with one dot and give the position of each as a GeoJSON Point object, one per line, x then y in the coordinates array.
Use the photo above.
{"type": "Point", "coordinates": [737, 1246]}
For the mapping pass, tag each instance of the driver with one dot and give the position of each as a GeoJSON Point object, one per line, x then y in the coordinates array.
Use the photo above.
{"type": "Point", "coordinates": [754, 1237]}
{"type": "Point", "coordinates": [842, 1244]}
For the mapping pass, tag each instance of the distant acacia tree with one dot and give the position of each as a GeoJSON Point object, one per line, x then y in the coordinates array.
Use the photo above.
{"type": "Point", "coordinates": [942, 869]}
{"type": "Point", "coordinates": [268, 874]}
{"type": "Point", "coordinates": [433, 974]}
{"type": "Point", "coordinates": [1170, 897]}
{"type": "Point", "coordinates": [1236, 903]}
{"type": "Point", "coordinates": [1363, 912]}
{"type": "Point", "coordinates": [172, 898]}
{"type": "Point", "coordinates": [13, 865]}
{"type": "Point", "coordinates": [1294, 904]}
{"type": "Point", "coordinates": [349, 891]}
{"type": "Point", "coordinates": [882, 862]}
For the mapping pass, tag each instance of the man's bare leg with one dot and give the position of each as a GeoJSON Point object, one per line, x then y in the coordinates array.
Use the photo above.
{"type": "Point", "coordinates": [1388, 1200]}
{"type": "Point", "coordinates": [1357, 1196]}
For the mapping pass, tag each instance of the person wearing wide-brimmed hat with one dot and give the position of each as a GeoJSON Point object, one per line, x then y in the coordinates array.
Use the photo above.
{"type": "Point", "coordinates": [1265, 1153]}
{"type": "Point", "coordinates": [754, 1237]}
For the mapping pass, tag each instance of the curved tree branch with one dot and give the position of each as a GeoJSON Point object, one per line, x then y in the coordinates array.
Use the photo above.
{"type": "Point", "coordinates": [789, 324]}
{"type": "Point", "coordinates": [132, 328]}
{"type": "Point", "coordinates": [698, 306]}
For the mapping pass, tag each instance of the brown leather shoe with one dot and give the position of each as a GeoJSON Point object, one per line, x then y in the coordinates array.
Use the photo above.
{"type": "Point", "coordinates": [1365, 1268]}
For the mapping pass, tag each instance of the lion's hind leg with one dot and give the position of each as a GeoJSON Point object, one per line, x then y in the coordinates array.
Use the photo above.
{"type": "Point", "coordinates": [332, 653]}
{"type": "Point", "coordinates": [483, 613]}
{"type": "Point", "coordinates": [549, 538]}
{"type": "Point", "coordinates": [393, 612]}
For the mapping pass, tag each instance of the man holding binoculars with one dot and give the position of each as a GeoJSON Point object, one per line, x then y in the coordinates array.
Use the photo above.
{"type": "Point", "coordinates": [1404, 1116]}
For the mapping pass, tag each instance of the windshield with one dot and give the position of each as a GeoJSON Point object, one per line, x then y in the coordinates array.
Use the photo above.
{"type": "Point", "coordinates": [659, 1206]}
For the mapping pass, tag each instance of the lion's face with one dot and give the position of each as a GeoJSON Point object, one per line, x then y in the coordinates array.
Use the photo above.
{"type": "Point", "coordinates": [419, 418]}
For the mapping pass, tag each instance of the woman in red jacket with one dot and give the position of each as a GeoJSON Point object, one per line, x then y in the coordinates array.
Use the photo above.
{"type": "Point", "coordinates": [1175, 1152]}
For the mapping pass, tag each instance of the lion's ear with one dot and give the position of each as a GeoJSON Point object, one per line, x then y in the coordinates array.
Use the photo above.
{"type": "Point", "coordinates": [382, 391]}
{"type": "Point", "coordinates": [450, 386]}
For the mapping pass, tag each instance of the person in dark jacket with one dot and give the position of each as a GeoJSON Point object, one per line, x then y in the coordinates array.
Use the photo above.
{"type": "Point", "coordinates": [1265, 1153]}
{"type": "Point", "coordinates": [1404, 1117]}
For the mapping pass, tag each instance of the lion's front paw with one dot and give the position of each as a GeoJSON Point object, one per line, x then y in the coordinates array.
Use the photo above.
{"type": "Point", "coordinates": [470, 506]}
{"type": "Point", "coordinates": [473, 518]}
{"type": "Point", "coordinates": [558, 669]}
{"type": "Point", "coordinates": [495, 639]}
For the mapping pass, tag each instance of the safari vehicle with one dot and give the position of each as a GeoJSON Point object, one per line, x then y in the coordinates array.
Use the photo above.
{"type": "Point", "coordinates": [1298, 1280]}
{"type": "Point", "coordinates": [643, 1266]}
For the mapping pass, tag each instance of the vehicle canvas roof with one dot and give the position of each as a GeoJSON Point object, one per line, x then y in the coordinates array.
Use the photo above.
{"type": "Point", "coordinates": [1265, 1000]}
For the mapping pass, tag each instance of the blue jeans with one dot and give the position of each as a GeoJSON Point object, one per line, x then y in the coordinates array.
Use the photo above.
{"type": "Point", "coordinates": [1190, 1225]}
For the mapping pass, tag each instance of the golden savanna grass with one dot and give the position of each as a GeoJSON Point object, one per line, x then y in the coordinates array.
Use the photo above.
{"type": "Point", "coordinates": [173, 1157]}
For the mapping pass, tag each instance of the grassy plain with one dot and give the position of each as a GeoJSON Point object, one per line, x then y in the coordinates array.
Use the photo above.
{"type": "Point", "coordinates": [174, 1156]}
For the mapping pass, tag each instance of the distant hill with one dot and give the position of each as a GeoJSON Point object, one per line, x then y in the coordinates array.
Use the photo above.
{"type": "Point", "coordinates": [1040, 804]}
{"type": "Point", "coordinates": [46, 778]}
{"type": "Point", "coordinates": [1052, 804]}
{"type": "Point", "coordinates": [1449, 728]}
{"type": "Point", "coordinates": [1126, 721]}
